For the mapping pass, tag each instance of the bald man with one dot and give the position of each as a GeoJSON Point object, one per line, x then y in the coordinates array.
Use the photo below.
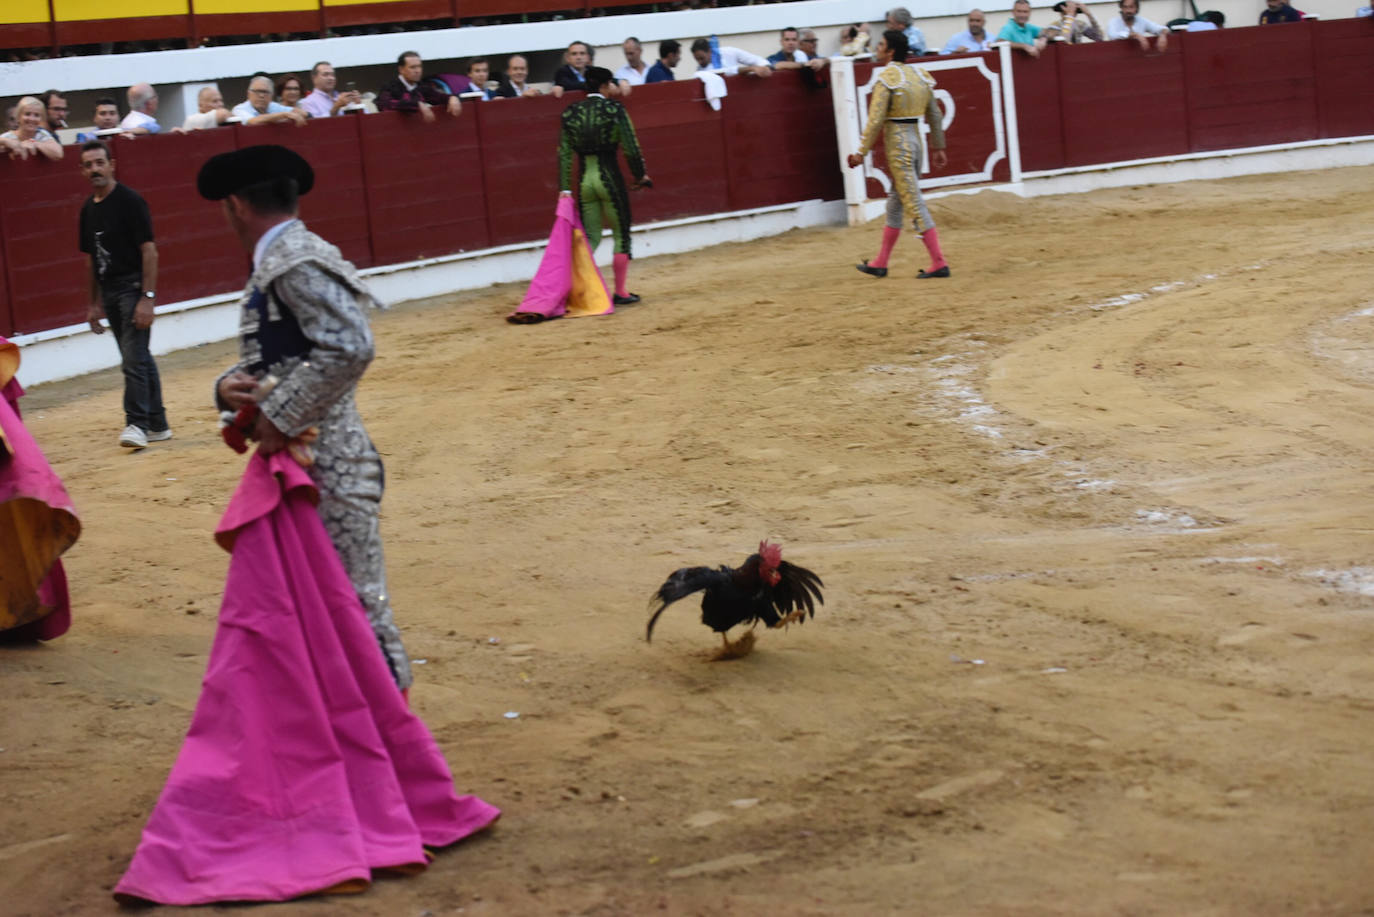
{"type": "Point", "coordinates": [210, 111]}
{"type": "Point", "coordinates": [974, 38]}
{"type": "Point", "coordinates": [141, 118]}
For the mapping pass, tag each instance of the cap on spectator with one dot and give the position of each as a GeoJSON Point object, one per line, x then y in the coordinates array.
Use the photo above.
{"type": "Point", "coordinates": [229, 173]}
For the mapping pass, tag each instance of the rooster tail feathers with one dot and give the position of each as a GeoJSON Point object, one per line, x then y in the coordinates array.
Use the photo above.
{"type": "Point", "coordinates": [679, 585]}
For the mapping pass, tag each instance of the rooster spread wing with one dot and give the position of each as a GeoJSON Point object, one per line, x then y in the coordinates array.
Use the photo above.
{"type": "Point", "coordinates": [797, 588]}
{"type": "Point", "coordinates": [682, 583]}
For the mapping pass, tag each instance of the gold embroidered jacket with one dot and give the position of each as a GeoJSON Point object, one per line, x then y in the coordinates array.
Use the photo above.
{"type": "Point", "coordinates": [903, 92]}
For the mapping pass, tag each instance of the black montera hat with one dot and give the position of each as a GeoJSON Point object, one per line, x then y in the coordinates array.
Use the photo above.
{"type": "Point", "coordinates": [231, 172]}
{"type": "Point", "coordinates": [599, 76]}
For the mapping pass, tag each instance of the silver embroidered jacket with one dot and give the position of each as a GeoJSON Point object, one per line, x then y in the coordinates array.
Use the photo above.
{"type": "Point", "coordinates": [303, 319]}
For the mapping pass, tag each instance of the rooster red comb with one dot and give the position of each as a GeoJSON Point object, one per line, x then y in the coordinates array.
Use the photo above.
{"type": "Point", "coordinates": [770, 554]}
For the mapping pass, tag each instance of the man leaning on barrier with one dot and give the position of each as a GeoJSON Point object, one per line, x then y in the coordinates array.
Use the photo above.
{"type": "Point", "coordinates": [669, 54]}
{"type": "Point", "coordinates": [259, 108]}
{"type": "Point", "coordinates": [105, 117]}
{"type": "Point", "coordinates": [1019, 32]}
{"type": "Point", "coordinates": [974, 38]}
{"type": "Point", "coordinates": [210, 112]}
{"type": "Point", "coordinates": [141, 118]}
{"type": "Point", "coordinates": [410, 92]}
{"type": "Point", "coordinates": [1130, 24]}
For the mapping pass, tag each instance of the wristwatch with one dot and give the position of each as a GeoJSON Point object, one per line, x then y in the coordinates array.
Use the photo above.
{"type": "Point", "coordinates": [149, 294]}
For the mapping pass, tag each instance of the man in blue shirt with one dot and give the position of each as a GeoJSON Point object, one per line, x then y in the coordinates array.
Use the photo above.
{"type": "Point", "coordinates": [669, 53]}
{"type": "Point", "coordinates": [1020, 33]}
{"type": "Point", "coordinates": [259, 108]}
{"type": "Point", "coordinates": [899, 20]}
{"type": "Point", "coordinates": [974, 38]}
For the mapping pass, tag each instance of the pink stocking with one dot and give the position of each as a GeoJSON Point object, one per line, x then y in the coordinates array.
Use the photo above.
{"type": "Point", "coordinates": [932, 240]}
{"type": "Point", "coordinates": [890, 237]}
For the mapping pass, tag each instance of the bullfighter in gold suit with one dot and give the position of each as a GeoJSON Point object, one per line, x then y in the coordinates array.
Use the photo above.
{"type": "Point", "coordinates": [901, 96]}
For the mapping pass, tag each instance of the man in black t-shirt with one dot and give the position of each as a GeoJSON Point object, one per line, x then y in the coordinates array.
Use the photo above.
{"type": "Point", "coordinates": [117, 237]}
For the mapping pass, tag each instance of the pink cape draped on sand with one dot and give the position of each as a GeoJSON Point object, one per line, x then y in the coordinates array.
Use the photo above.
{"type": "Point", "coordinates": [303, 770]}
{"type": "Point", "coordinates": [37, 524]}
{"type": "Point", "coordinates": [568, 280]}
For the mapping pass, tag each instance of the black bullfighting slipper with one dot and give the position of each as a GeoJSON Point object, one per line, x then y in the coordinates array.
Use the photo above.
{"type": "Point", "coordinates": [938, 272]}
{"type": "Point", "coordinates": [871, 270]}
{"type": "Point", "coordinates": [629, 299]}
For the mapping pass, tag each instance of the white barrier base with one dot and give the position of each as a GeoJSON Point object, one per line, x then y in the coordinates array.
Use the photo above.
{"type": "Point", "coordinates": [74, 350]}
{"type": "Point", "coordinates": [1260, 160]}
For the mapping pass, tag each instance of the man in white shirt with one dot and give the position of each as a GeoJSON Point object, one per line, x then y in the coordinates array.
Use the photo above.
{"type": "Point", "coordinates": [732, 60]}
{"type": "Point", "coordinates": [142, 108]}
{"type": "Point", "coordinates": [211, 111]}
{"type": "Point", "coordinates": [1132, 25]}
{"type": "Point", "coordinates": [974, 38]}
{"type": "Point", "coordinates": [635, 70]}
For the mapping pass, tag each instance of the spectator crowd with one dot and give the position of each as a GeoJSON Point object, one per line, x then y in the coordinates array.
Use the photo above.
{"type": "Point", "coordinates": [34, 121]}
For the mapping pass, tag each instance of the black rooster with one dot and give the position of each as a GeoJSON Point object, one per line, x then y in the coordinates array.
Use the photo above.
{"type": "Point", "coordinates": [764, 588]}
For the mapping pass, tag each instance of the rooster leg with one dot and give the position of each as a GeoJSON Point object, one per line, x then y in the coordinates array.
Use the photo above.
{"type": "Point", "coordinates": [792, 618]}
{"type": "Point", "coordinates": [737, 650]}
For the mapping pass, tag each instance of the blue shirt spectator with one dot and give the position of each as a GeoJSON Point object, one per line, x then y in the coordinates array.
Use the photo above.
{"type": "Point", "coordinates": [246, 112]}
{"type": "Point", "coordinates": [974, 38]}
{"type": "Point", "coordinates": [899, 20]}
{"type": "Point", "coordinates": [669, 53]}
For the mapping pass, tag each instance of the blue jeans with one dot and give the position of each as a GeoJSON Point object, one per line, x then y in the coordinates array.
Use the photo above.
{"type": "Point", "coordinates": [142, 385]}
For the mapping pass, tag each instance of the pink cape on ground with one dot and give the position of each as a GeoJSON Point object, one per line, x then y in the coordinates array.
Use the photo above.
{"type": "Point", "coordinates": [37, 524]}
{"type": "Point", "coordinates": [303, 770]}
{"type": "Point", "coordinates": [568, 280]}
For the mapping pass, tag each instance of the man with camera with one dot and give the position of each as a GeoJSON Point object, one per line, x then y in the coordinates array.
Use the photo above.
{"type": "Point", "coordinates": [324, 101]}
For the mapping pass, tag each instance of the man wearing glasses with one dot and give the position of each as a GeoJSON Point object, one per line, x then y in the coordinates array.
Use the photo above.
{"type": "Point", "coordinates": [259, 108]}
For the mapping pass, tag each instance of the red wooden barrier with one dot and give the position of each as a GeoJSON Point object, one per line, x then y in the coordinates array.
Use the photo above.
{"type": "Point", "coordinates": [683, 141]}
{"type": "Point", "coordinates": [1251, 87]}
{"type": "Point", "coordinates": [424, 185]}
{"type": "Point", "coordinates": [45, 271]}
{"type": "Point", "coordinates": [780, 142]}
{"type": "Point", "coordinates": [1119, 103]}
{"type": "Point", "coordinates": [6, 315]}
{"type": "Point", "coordinates": [518, 166]}
{"type": "Point", "coordinates": [1344, 77]}
{"type": "Point", "coordinates": [1039, 110]}
{"type": "Point", "coordinates": [340, 210]}
{"type": "Point", "coordinates": [197, 254]}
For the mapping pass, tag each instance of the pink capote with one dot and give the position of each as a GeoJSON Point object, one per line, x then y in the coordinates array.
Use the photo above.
{"type": "Point", "coordinates": [568, 280]}
{"type": "Point", "coordinates": [303, 767]}
{"type": "Point", "coordinates": [37, 524]}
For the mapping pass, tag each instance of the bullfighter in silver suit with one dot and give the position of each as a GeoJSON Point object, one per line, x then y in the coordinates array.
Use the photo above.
{"type": "Point", "coordinates": [304, 342]}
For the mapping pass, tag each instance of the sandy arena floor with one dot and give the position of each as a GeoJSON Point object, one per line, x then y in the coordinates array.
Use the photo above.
{"type": "Point", "coordinates": [1094, 517]}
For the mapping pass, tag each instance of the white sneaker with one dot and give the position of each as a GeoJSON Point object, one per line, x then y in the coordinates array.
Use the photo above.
{"type": "Point", "coordinates": [160, 436]}
{"type": "Point", "coordinates": [133, 438]}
